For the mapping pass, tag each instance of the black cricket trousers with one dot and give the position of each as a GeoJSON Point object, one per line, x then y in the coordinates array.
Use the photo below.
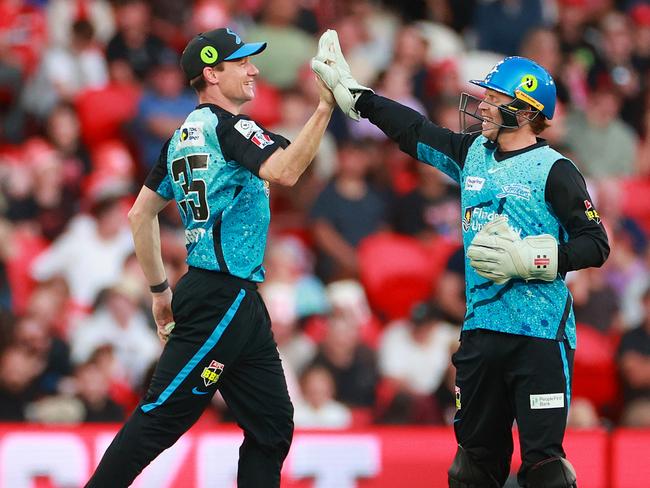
{"type": "Point", "coordinates": [501, 378]}
{"type": "Point", "coordinates": [222, 340]}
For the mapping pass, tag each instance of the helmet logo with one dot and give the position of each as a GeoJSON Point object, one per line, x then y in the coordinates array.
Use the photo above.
{"type": "Point", "coordinates": [528, 83]}
{"type": "Point", "coordinates": [209, 55]}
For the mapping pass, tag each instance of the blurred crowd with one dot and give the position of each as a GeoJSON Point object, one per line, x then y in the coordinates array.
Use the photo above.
{"type": "Point", "coordinates": [365, 274]}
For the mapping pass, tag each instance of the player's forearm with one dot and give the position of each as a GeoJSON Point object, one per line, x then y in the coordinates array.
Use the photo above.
{"type": "Point", "coordinates": [146, 238]}
{"type": "Point", "coordinates": [285, 167]}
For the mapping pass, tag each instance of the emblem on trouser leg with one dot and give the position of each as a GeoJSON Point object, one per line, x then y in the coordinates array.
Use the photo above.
{"type": "Point", "coordinates": [211, 374]}
{"type": "Point", "coordinates": [457, 394]}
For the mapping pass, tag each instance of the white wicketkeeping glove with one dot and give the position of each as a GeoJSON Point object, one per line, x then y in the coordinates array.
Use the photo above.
{"type": "Point", "coordinates": [498, 254]}
{"type": "Point", "coordinates": [331, 67]}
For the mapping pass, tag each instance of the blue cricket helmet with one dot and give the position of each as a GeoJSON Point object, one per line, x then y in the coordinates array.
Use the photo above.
{"type": "Point", "coordinates": [524, 80]}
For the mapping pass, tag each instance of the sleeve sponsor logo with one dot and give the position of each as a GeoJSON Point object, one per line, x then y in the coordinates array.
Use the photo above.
{"type": "Point", "coordinates": [192, 135]}
{"type": "Point", "coordinates": [474, 183]}
{"type": "Point", "coordinates": [247, 128]}
{"type": "Point", "coordinates": [591, 212]}
{"type": "Point", "coordinates": [250, 130]}
{"type": "Point", "coordinates": [261, 140]}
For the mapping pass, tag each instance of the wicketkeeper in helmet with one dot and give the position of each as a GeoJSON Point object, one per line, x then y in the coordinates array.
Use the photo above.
{"type": "Point", "coordinates": [527, 220]}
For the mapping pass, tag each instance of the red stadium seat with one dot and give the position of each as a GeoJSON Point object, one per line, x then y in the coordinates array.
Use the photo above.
{"type": "Point", "coordinates": [635, 202]}
{"type": "Point", "coordinates": [594, 370]}
{"type": "Point", "coordinates": [103, 111]}
{"type": "Point", "coordinates": [398, 271]}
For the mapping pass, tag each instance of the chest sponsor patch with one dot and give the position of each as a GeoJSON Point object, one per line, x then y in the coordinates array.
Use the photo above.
{"type": "Point", "coordinates": [546, 400]}
{"type": "Point", "coordinates": [515, 190]}
{"type": "Point", "coordinates": [247, 128]}
{"type": "Point", "coordinates": [474, 183]}
{"type": "Point", "coordinates": [192, 135]}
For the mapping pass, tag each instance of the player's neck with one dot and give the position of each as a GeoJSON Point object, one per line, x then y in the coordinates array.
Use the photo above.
{"type": "Point", "coordinates": [515, 140]}
{"type": "Point", "coordinates": [217, 98]}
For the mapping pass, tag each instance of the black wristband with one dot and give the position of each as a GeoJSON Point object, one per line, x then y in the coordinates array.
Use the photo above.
{"type": "Point", "coordinates": [160, 287]}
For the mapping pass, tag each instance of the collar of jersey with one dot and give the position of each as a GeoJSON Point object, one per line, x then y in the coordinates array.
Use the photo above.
{"type": "Point", "coordinates": [502, 155]}
{"type": "Point", "coordinates": [213, 107]}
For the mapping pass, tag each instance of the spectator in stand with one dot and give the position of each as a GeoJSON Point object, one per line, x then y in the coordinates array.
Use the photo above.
{"type": "Point", "coordinates": [501, 26]}
{"type": "Point", "coordinates": [92, 387]}
{"type": "Point", "coordinates": [133, 42]}
{"type": "Point", "coordinates": [595, 302]}
{"type": "Point", "coordinates": [119, 322]}
{"type": "Point", "coordinates": [319, 409]}
{"type": "Point", "coordinates": [411, 49]}
{"type": "Point", "coordinates": [18, 371]}
{"type": "Point", "coordinates": [62, 14]}
{"type": "Point", "coordinates": [5, 255]}
{"type": "Point", "coordinates": [39, 340]}
{"type": "Point", "coordinates": [450, 292]}
{"type": "Point", "coordinates": [627, 272]}
{"type": "Point", "coordinates": [397, 83]}
{"type": "Point", "coordinates": [615, 63]}
{"type": "Point", "coordinates": [430, 209]}
{"type": "Point", "coordinates": [634, 366]}
{"type": "Point", "coordinates": [346, 211]}
{"type": "Point", "coordinates": [542, 45]}
{"type": "Point", "coordinates": [64, 134]}
{"type": "Point", "coordinates": [90, 254]}
{"type": "Point", "coordinates": [49, 305]}
{"type": "Point", "coordinates": [603, 145]}
{"type": "Point", "coordinates": [66, 71]}
{"type": "Point", "coordinates": [23, 35]}
{"type": "Point", "coordinates": [413, 359]}
{"type": "Point", "coordinates": [280, 65]}
{"type": "Point", "coordinates": [351, 363]}
{"type": "Point", "coordinates": [163, 107]}
{"type": "Point", "coordinates": [640, 15]}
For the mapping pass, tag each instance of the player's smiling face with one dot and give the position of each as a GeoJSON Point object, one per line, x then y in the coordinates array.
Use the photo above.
{"type": "Point", "coordinates": [237, 82]}
{"type": "Point", "coordinates": [489, 112]}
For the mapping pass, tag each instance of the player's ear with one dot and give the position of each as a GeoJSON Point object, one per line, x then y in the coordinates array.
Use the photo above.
{"type": "Point", "coordinates": [211, 75]}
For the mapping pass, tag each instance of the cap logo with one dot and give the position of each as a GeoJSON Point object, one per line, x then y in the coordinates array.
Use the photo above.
{"type": "Point", "coordinates": [237, 38]}
{"type": "Point", "coordinates": [209, 55]}
{"type": "Point", "coordinates": [528, 83]}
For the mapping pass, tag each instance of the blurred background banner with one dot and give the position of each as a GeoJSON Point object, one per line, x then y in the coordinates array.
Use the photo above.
{"type": "Point", "coordinates": [365, 282]}
{"type": "Point", "coordinates": [373, 458]}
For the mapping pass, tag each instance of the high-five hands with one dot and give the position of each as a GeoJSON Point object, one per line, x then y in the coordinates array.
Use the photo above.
{"type": "Point", "coordinates": [499, 254]}
{"type": "Point", "coordinates": [332, 68]}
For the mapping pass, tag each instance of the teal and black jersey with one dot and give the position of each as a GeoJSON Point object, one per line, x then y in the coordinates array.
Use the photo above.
{"type": "Point", "coordinates": [514, 187]}
{"type": "Point", "coordinates": [210, 167]}
{"type": "Point", "coordinates": [540, 192]}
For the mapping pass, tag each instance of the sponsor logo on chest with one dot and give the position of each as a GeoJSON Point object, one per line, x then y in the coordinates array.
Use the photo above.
{"type": "Point", "coordinates": [515, 190]}
{"type": "Point", "coordinates": [474, 183]}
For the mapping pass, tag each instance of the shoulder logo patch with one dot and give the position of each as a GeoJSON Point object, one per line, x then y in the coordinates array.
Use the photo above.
{"type": "Point", "coordinates": [192, 134]}
{"type": "Point", "coordinates": [591, 212]}
{"type": "Point", "coordinates": [247, 128]}
{"type": "Point", "coordinates": [250, 130]}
